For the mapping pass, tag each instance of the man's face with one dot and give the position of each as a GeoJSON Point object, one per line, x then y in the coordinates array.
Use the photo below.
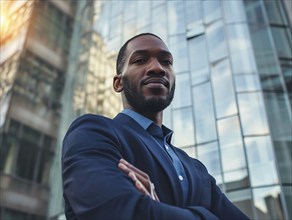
{"type": "Point", "coordinates": [148, 79]}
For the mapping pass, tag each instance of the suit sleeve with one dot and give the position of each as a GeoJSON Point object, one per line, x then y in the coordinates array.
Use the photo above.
{"type": "Point", "coordinates": [94, 187]}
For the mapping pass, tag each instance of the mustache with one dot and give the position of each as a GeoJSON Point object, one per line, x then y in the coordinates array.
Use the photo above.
{"type": "Point", "coordinates": [155, 79]}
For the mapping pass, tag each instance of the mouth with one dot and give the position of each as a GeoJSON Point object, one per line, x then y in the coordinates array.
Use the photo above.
{"type": "Point", "coordinates": [155, 81]}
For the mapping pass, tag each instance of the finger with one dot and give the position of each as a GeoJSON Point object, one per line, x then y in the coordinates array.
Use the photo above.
{"type": "Point", "coordinates": [130, 166]}
{"type": "Point", "coordinates": [139, 185]}
{"type": "Point", "coordinates": [124, 168]}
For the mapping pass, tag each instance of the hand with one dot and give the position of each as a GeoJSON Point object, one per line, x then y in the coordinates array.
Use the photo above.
{"type": "Point", "coordinates": [140, 179]}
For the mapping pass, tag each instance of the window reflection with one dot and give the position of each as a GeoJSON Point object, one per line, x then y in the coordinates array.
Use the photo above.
{"type": "Point", "coordinates": [183, 127]}
{"type": "Point", "coordinates": [231, 145]}
{"type": "Point", "coordinates": [159, 26]}
{"type": "Point", "coordinates": [212, 10]}
{"type": "Point", "coordinates": [252, 112]}
{"type": "Point", "coordinates": [194, 13]}
{"type": "Point", "coordinates": [233, 11]}
{"type": "Point", "coordinates": [242, 56]}
{"type": "Point", "coordinates": [267, 203]}
{"type": "Point", "coordinates": [236, 179]}
{"type": "Point", "coordinates": [198, 59]}
{"type": "Point", "coordinates": [216, 41]}
{"type": "Point", "coordinates": [247, 83]}
{"type": "Point", "coordinates": [204, 113]}
{"type": "Point", "coordinates": [182, 96]}
{"type": "Point", "coordinates": [275, 12]}
{"type": "Point", "coordinates": [178, 48]}
{"type": "Point", "coordinates": [223, 90]}
{"type": "Point", "coordinates": [282, 38]}
{"type": "Point", "coordinates": [243, 200]}
{"type": "Point", "coordinates": [176, 17]}
{"type": "Point", "coordinates": [208, 154]}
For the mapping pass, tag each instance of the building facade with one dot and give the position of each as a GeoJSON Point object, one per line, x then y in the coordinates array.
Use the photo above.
{"type": "Point", "coordinates": [35, 42]}
{"type": "Point", "coordinates": [232, 106]}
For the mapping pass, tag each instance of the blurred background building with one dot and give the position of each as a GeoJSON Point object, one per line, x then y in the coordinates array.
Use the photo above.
{"type": "Point", "coordinates": [232, 107]}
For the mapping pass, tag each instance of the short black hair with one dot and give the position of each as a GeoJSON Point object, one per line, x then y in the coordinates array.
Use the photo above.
{"type": "Point", "coordinates": [121, 55]}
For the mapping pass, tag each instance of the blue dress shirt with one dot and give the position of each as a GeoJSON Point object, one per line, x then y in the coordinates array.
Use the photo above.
{"type": "Point", "coordinates": [163, 137]}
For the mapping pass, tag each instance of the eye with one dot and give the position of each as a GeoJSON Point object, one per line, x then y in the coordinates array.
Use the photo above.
{"type": "Point", "coordinates": [167, 62]}
{"type": "Point", "coordinates": [139, 61]}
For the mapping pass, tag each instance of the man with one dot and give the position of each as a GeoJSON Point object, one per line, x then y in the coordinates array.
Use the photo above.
{"type": "Point", "coordinates": [126, 167]}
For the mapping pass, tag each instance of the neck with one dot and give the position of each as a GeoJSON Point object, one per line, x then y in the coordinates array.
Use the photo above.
{"type": "Point", "coordinates": [156, 117]}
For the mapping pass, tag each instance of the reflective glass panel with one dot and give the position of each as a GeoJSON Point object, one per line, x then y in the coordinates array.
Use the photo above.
{"type": "Point", "coordinates": [264, 53]}
{"type": "Point", "coordinates": [267, 203]}
{"type": "Point", "coordinates": [287, 190]}
{"type": "Point", "coordinates": [176, 17]}
{"type": "Point", "coordinates": [223, 90]}
{"type": "Point", "coordinates": [183, 127]}
{"type": "Point", "coordinates": [159, 26]}
{"type": "Point", "coordinates": [212, 10]}
{"type": "Point", "coordinates": [236, 179]}
{"type": "Point", "coordinates": [129, 29]}
{"type": "Point", "coordinates": [208, 154]}
{"type": "Point", "coordinates": [193, 13]}
{"type": "Point", "coordinates": [216, 41]}
{"type": "Point", "coordinates": [241, 51]}
{"type": "Point", "coordinates": [143, 8]}
{"type": "Point", "coordinates": [234, 11]}
{"type": "Point", "coordinates": [190, 151]}
{"type": "Point", "coordinates": [231, 145]}
{"type": "Point", "coordinates": [242, 199]}
{"type": "Point", "coordinates": [182, 95]}
{"type": "Point", "coordinates": [198, 59]}
{"type": "Point", "coordinates": [283, 41]}
{"type": "Point", "coordinates": [178, 48]}
{"type": "Point", "coordinates": [130, 13]}
{"type": "Point", "coordinates": [252, 114]}
{"type": "Point", "coordinates": [254, 12]}
{"type": "Point", "coordinates": [204, 113]}
{"type": "Point", "coordinates": [275, 12]}
{"type": "Point", "coordinates": [247, 83]}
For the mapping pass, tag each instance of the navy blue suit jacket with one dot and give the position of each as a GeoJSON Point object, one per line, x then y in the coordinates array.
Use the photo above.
{"type": "Point", "coordinates": [94, 187]}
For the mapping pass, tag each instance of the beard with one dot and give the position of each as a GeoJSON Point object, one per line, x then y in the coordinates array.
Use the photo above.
{"type": "Point", "coordinates": [138, 101]}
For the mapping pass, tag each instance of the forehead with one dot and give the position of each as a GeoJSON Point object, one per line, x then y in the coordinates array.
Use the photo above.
{"type": "Point", "coordinates": [146, 43]}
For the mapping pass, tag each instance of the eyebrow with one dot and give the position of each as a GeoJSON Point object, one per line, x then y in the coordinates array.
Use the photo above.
{"type": "Point", "coordinates": [162, 52]}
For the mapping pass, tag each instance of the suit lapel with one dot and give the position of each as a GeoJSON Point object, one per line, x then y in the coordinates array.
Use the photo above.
{"type": "Point", "coordinates": [161, 157]}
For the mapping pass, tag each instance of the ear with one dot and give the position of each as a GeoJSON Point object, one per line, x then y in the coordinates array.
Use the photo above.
{"type": "Point", "coordinates": [117, 83]}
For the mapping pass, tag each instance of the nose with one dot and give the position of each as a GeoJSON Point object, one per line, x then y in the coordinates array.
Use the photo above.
{"type": "Point", "coordinates": [155, 67]}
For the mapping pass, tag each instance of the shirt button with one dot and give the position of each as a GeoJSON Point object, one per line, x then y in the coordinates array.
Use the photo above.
{"type": "Point", "coordinates": [167, 148]}
{"type": "Point", "coordinates": [180, 177]}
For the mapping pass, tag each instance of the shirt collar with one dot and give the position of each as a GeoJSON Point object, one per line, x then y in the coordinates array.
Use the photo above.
{"type": "Point", "coordinates": [146, 122]}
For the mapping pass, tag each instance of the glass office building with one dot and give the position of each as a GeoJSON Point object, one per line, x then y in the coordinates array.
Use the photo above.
{"type": "Point", "coordinates": [232, 106]}
{"type": "Point", "coordinates": [35, 42]}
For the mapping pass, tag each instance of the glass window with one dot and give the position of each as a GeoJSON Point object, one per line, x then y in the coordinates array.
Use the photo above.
{"type": "Point", "coordinates": [159, 26]}
{"type": "Point", "coordinates": [264, 53]}
{"type": "Point", "coordinates": [129, 29]}
{"type": "Point", "coordinates": [236, 179]}
{"type": "Point", "coordinates": [27, 160]}
{"type": "Point", "coordinates": [242, 199]}
{"type": "Point", "coordinates": [198, 59]}
{"type": "Point", "coordinates": [204, 113]}
{"type": "Point", "coordinates": [272, 83]}
{"type": "Point", "coordinates": [208, 154]}
{"type": "Point", "coordinates": [231, 145]}
{"type": "Point", "coordinates": [234, 11]}
{"type": "Point", "coordinates": [275, 12]}
{"type": "Point", "coordinates": [282, 38]}
{"type": "Point", "coordinates": [176, 17]}
{"type": "Point", "coordinates": [130, 13]}
{"type": "Point", "coordinates": [241, 51]}
{"type": "Point", "coordinates": [182, 96]}
{"type": "Point", "coordinates": [254, 12]}
{"type": "Point", "coordinates": [247, 83]}
{"type": "Point", "coordinates": [212, 11]}
{"type": "Point", "coordinates": [267, 203]}
{"type": "Point", "coordinates": [223, 90]}
{"type": "Point", "coordinates": [287, 190]}
{"type": "Point", "coordinates": [216, 41]}
{"type": "Point", "coordinates": [143, 8]}
{"type": "Point", "coordinates": [157, 2]}
{"type": "Point", "coordinates": [178, 48]}
{"type": "Point", "coordinates": [44, 165]}
{"type": "Point", "coordinates": [252, 114]}
{"type": "Point", "coordinates": [193, 13]}
{"type": "Point", "coordinates": [287, 73]}
{"type": "Point", "coordinates": [260, 159]}
{"type": "Point", "coordinates": [183, 127]}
